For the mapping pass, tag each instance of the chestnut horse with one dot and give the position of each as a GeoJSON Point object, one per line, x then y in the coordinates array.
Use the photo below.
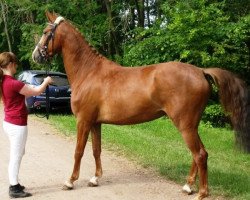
{"type": "Point", "coordinates": [105, 92]}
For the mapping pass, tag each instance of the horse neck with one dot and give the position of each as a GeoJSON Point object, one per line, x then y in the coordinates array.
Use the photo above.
{"type": "Point", "coordinates": [78, 56]}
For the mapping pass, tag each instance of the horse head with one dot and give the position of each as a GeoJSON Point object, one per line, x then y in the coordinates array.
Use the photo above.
{"type": "Point", "coordinates": [50, 42]}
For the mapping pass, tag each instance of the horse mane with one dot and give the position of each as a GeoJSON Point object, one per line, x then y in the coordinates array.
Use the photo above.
{"type": "Point", "coordinates": [74, 27]}
{"type": "Point", "coordinates": [93, 49]}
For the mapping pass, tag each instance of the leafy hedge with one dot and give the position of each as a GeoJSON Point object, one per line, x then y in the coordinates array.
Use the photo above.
{"type": "Point", "coordinates": [214, 115]}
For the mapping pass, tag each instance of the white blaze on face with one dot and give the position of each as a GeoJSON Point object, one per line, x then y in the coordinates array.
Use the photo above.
{"type": "Point", "coordinates": [36, 49]}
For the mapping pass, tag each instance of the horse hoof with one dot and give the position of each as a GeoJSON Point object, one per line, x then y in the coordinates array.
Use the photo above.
{"type": "Point", "coordinates": [67, 186]}
{"type": "Point", "coordinates": [90, 184]}
{"type": "Point", "coordinates": [186, 188]}
{"type": "Point", "coordinates": [199, 197]}
{"type": "Point", "coordinates": [93, 182]}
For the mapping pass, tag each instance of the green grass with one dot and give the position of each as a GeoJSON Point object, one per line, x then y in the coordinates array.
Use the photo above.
{"type": "Point", "coordinates": [159, 145]}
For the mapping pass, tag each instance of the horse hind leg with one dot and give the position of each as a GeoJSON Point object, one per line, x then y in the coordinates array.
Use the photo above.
{"type": "Point", "coordinates": [187, 121]}
{"type": "Point", "coordinates": [199, 164]}
{"type": "Point", "coordinates": [188, 126]}
{"type": "Point", "coordinates": [96, 146]}
{"type": "Point", "coordinates": [82, 137]}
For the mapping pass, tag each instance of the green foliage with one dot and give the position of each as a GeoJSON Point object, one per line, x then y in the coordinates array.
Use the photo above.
{"type": "Point", "coordinates": [201, 32]}
{"type": "Point", "coordinates": [195, 32]}
{"type": "Point", "coordinates": [149, 51]}
{"type": "Point", "coordinates": [214, 115]}
{"type": "Point", "coordinates": [27, 19]}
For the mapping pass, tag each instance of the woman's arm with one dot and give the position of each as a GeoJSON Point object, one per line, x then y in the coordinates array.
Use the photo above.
{"type": "Point", "coordinates": [28, 91]}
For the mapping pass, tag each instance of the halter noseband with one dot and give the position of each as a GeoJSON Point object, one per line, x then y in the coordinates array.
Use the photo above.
{"type": "Point", "coordinates": [43, 50]}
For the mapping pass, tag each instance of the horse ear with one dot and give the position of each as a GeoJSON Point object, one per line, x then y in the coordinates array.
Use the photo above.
{"type": "Point", "coordinates": [50, 16]}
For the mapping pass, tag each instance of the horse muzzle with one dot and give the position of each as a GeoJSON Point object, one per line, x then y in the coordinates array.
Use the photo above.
{"type": "Point", "coordinates": [38, 57]}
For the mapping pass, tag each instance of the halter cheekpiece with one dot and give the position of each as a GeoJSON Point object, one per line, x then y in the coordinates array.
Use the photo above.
{"type": "Point", "coordinates": [43, 50]}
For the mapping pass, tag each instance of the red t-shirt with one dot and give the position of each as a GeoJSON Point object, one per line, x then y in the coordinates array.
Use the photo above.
{"type": "Point", "coordinates": [14, 103]}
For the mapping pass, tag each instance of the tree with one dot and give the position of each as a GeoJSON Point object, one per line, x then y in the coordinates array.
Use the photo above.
{"type": "Point", "coordinates": [137, 32]}
{"type": "Point", "coordinates": [112, 32]}
{"type": "Point", "coordinates": [139, 4]}
{"type": "Point", "coordinates": [4, 9]}
{"type": "Point", "coordinates": [196, 32]}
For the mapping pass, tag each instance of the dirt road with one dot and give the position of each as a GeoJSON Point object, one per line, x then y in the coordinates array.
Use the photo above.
{"type": "Point", "coordinates": [48, 162]}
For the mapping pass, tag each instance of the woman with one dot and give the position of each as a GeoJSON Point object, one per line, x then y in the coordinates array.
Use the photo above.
{"type": "Point", "coordinates": [13, 93]}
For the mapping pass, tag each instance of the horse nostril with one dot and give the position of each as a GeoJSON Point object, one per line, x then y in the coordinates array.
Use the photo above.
{"type": "Point", "coordinates": [37, 57]}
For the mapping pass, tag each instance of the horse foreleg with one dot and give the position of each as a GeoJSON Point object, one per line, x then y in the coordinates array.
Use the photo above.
{"type": "Point", "coordinates": [82, 137]}
{"type": "Point", "coordinates": [191, 178]}
{"type": "Point", "coordinates": [96, 146]}
{"type": "Point", "coordinates": [200, 158]}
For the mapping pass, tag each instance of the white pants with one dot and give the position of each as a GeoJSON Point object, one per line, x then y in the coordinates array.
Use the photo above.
{"type": "Point", "coordinates": [17, 136]}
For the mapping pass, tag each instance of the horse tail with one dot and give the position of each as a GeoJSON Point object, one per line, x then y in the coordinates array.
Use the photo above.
{"type": "Point", "coordinates": [235, 99]}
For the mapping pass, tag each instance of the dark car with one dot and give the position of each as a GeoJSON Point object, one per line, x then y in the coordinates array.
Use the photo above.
{"type": "Point", "coordinates": [59, 90]}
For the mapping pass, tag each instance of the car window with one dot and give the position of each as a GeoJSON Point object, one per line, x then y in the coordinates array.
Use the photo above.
{"type": "Point", "coordinates": [39, 79]}
{"type": "Point", "coordinates": [57, 80]}
{"type": "Point", "coordinates": [24, 78]}
{"type": "Point", "coordinates": [20, 77]}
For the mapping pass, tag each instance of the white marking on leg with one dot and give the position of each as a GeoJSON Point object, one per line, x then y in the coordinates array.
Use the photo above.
{"type": "Point", "coordinates": [94, 180]}
{"type": "Point", "coordinates": [186, 188]}
{"type": "Point", "coordinates": [68, 184]}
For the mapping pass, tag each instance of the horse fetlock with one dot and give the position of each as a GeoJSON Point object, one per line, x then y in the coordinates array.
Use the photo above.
{"type": "Point", "coordinates": [187, 189]}
{"type": "Point", "coordinates": [99, 173]}
{"type": "Point", "coordinates": [93, 182]}
{"type": "Point", "coordinates": [68, 185]}
{"type": "Point", "coordinates": [203, 193]}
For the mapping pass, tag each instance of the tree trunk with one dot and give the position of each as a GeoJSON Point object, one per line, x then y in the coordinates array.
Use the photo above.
{"type": "Point", "coordinates": [132, 12]}
{"type": "Point", "coordinates": [158, 9]}
{"type": "Point", "coordinates": [148, 13]}
{"type": "Point", "coordinates": [112, 34]}
{"type": "Point", "coordinates": [4, 15]}
{"type": "Point", "coordinates": [140, 9]}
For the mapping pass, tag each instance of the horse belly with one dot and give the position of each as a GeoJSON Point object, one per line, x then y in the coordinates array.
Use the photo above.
{"type": "Point", "coordinates": [124, 115]}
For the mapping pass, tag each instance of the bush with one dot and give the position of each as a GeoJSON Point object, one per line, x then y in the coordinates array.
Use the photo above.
{"type": "Point", "coordinates": [214, 115]}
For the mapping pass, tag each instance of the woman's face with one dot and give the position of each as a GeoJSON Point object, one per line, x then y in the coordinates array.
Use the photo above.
{"type": "Point", "coordinates": [13, 67]}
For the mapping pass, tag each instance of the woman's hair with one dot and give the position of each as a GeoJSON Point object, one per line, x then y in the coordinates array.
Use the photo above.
{"type": "Point", "coordinates": [5, 59]}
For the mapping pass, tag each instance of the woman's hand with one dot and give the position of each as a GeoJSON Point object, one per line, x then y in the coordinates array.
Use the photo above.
{"type": "Point", "coordinates": [27, 90]}
{"type": "Point", "coordinates": [48, 80]}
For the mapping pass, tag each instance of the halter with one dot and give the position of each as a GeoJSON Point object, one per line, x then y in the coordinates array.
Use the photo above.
{"type": "Point", "coordinates": [43, 50]}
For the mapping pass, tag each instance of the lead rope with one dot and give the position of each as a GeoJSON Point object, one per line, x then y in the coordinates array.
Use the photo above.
{"type": "Point", "coordinates": [48, 67]}
{"type": "Point", "coordinates": [47, 74]}
{"type": "Point", "coordinates": [47, 95]}
{"type": "Point", "coordinates": [47, 100]}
